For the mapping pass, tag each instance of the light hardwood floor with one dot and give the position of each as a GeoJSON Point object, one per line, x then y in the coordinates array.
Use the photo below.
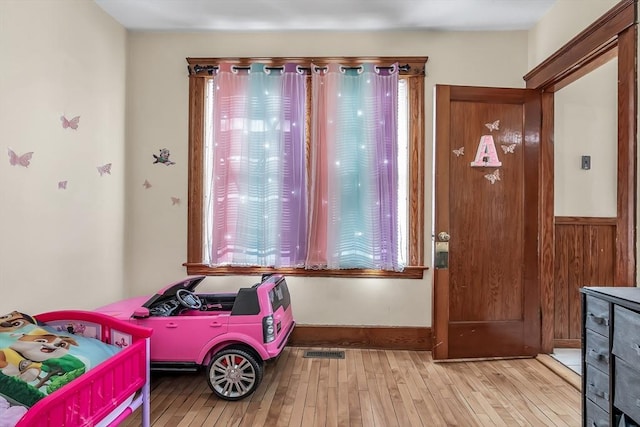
{"type": "Point", "coordinates": [375, 388]}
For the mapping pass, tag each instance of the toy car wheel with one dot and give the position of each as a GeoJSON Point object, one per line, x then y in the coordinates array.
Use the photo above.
{"type": "Point", "coordinates": [233, 374]}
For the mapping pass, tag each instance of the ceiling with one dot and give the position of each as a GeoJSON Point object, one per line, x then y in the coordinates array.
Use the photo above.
{"type": "Point", "coordinates": [326, 15]}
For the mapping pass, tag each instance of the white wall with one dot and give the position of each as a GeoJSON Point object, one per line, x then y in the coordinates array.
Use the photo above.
{"type": "Point", "coordinates": [586, 123]}
{"type": "Point", "coordinates": [157, 117]}
{"type": "Point", "coordinates": [61, 248]}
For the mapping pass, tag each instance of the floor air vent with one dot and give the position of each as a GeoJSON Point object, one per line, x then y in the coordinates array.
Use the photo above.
{"type": "Point", "coordinates": [324, 354]}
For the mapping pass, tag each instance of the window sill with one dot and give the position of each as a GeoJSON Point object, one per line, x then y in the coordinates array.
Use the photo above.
{"type": "Point", "coordinates": [410, 272]}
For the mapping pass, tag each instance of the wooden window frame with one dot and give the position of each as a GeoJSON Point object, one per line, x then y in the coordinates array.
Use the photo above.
{"type": "Point", "coordinates": [200, 70]}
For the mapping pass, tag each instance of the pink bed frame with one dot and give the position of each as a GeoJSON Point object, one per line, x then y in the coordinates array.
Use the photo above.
{"type": "Point", "coordinates": [99, 392]}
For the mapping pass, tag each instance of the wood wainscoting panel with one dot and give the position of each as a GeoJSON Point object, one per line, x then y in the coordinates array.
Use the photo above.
{"type": "Point", "coordinates": [585, 253]}
{"type": "Point", "coordinates": [378, 337]}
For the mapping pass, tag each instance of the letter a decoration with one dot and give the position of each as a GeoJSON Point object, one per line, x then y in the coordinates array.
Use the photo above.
{"type": "Point", "coordinates": [486, 156]}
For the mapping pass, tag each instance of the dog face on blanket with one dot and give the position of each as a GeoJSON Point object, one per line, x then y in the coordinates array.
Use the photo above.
{"type": "Point", "coordinates": [14, 321]}
{"type": "Point", "coordinates": [24, 357]}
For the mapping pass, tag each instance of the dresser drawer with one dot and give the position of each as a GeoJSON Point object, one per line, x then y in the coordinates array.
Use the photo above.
{"type": "Point", "coordinates": [597, 315]}
{"type": "Point", "coordinates": [597, 384]}
{"type": "Point", "coordinates": [626, 335]}
{"type": "Point", "coordinates": [597, 350]}
{"type": "Point", "coordinates": [596, 416]}
{"type": "Point", "coordinates": [627, 386]}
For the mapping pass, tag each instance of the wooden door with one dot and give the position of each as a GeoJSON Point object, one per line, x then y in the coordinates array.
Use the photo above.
{"type": "Point", "coordinates": [486, 286]}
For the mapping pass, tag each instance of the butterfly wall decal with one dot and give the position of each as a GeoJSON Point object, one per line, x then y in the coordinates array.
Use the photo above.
{"type": "Point", "coordinates": [459, 152]}
{"type": "Point", "coordinates": [104, 169]}
{"type": "Point", "coordinates": [73, 123]}
{"type": "Point", "coordinates": [493, 126]}
{"type": "Point", "coordinates": [493, 177]}
{"type": "Point", "coordinates": [23, 160]}
{"type": "Point", "coordinates": [175, 201]}
{"type": "Point", "coordinates": [511, 148]}
{"type": "Point", "coordinates": [62, 185]}
{"type": "Point", "coordinates": [146, 184]}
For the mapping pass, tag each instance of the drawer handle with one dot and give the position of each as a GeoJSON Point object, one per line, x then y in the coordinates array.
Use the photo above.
{"type": "Point", "coordinates": [599, 319]}
{"type": "Point", "coordinates": [598, 393]}
{"type": "Point", "coordinates": [598, 356]}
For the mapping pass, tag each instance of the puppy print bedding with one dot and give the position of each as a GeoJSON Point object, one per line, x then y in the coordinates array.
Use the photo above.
{"type": "Point", "coordinates": [37, 359]}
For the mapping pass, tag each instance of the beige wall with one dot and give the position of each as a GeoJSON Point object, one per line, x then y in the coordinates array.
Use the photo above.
{"type": "Point", "coordinates": [61, 248]}
{"type": "Point", "coordinates": [565, 20]}
{"type": "Point", "coordinates": [586, 123]}
{"type": "Point", "coordinates": [585, 118]}
{"type": "Point", "coordinates": [157, 118]}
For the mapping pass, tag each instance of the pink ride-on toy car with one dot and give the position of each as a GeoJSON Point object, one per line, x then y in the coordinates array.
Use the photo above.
{"type": "Point", "coordinates": [231, 334]}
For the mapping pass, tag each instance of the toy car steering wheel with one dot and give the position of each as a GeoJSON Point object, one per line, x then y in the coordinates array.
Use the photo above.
{"type": "Point", "coordinates": [188, 299]}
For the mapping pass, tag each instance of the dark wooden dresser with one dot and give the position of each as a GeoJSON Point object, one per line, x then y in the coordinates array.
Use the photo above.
{"type": "Point", "coordinates": [610, 357]}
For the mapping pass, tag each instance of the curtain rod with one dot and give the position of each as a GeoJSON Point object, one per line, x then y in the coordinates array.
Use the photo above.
{"type": "Point", "coordinates": [210, 69]}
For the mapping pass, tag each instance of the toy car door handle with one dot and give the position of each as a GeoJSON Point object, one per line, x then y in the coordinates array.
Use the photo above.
{"type": "Point", "coordinates": [172, 325]}
{"type": "Point", "coordinates": [215, 324]}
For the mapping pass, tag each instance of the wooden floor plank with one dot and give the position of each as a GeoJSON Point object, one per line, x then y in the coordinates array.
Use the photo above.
{"type": "Point", "coordinates": [423, 400]}
{"type": "Point", "coordinates": [343, 393]}
{"type": "Point", "coordinates": [301, 394]}
{"type": "Point", "coordinates": [405, 403]}
{"type": "Point", "coordinates": [374, 388]}
{"type": "Point", "coordinates": [387, 394]}
{"type": "Point", "coordinates": [366, 408]}
{"type": "Point", "coordinates": [450, 402]}
{"type": "Point", "coordinates": [496, 398]}
{"type": "Point", "coordinates": [267, 406]}
{"type": "Point", "coordinates": [377, 408]}
{"type": "Point", "coordinates": [355, 413]}
{"type": "Point", "coordinates": [321, 397]}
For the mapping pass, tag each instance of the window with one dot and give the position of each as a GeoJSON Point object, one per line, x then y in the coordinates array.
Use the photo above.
{"type": "Point", "coordinates": [257, 198]}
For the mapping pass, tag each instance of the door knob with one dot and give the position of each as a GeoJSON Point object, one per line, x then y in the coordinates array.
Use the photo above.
{"type": "Point", "coordinates": [443, 236]}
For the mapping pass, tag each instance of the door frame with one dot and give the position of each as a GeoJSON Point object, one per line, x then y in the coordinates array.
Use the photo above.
{"type": "Point", "coordinates": [614, 34]}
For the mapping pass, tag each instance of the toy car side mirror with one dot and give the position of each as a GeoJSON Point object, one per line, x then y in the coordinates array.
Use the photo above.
{"type": "Point", "coordinates": [141, 313]}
